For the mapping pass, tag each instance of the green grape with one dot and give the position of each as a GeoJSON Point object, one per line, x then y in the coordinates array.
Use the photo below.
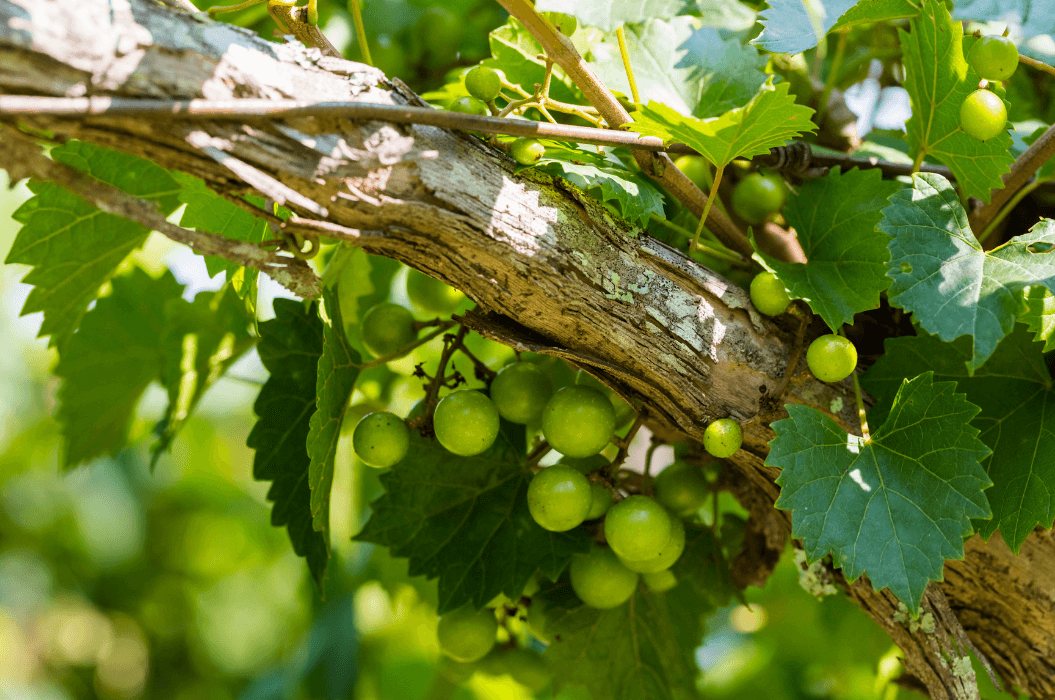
{"type": "Point", "coordinates": [638, 528]}
{"type": "Point", "coordinates": [386, 328]}
{"type": "Point", "coordinates": [832, 358]}
{"type": "Point", "coordinates": [565, 24]}
{"type": "Point", "coordinates": [993, 57]}
{"type": "Point", "coordinates": [527, 151]}
{"type": "Point", "coordinates": [681, 488]}
{"type": "Point", "coordinates": [483, 83]}
{"type": "Point", "coordinates": [559, 498]}
{"type": "Point", "coordinates": [768, 294]}
{"type": "Point", "coordinates": [520, 391]}
{"type": "Point", "coordinates": [528, 668]}
{"type": "Point", "coordinates": [723, 438]}
{"type": "Point", "coordinates": [431, 296]}
{"type": "Point", "coordinates": [578, 421]}
{"type": "Point", "coordinates": [586, 465]}
{"type": "Point", "coordinates": [469, 105]}
{"type": "Point", "coordinates": [983, 115]}
{"type": "Point", "coordinates": [600, 501]}
{"type": "Point", "coordinates": [624, 412]}
{"type": "Point", "coordinates": [697, 169]}
{"type": "Point", "coordinates": [467, 635]}
{"type": "Point", "coordinates": [666, 557]}
{"type": "Point", "coordinates": [660, 581]}
{"type": "Point", "coordinates": [757, 196]}
{"type": "Point", "coordinates": [600, 580]}
{"type": "Point", "coordinates": [466, 422]}
{"type": "Point", "coordinates": [381, 439]}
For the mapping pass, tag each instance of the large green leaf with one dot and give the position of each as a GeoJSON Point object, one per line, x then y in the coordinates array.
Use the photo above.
{"type": "Point", "coordinates": [1040, 315]}
{"type": "Point", "coordinates": [609, 15]}
{"type": "Point", "coordinates": [693, 71]}
{"type": "Point", "coordinates": [1017, 419]}
{"type": "Point", "coordinates": [770, 119]}
{"type": "Point", "coordinates": [338, 370]}
{"type": "Point", "coordinates": [938, 80]}
{"type": "Point", "coordinates": [793, 26]}
{"type": "Point", "coordinates": [108, 364]}
{"type": "Point", "coordinates": [895, 507]}
{"type": "Point", "coordinates": [466, 521]}
{"type": "Point", "coordinates": [942, 275]}
{"type": "Point", "coordinates": [290, 347]}
{"type": "Point", "coordinates": [74, 247]}
{"type": "Point", "coordinates": [835, 221]}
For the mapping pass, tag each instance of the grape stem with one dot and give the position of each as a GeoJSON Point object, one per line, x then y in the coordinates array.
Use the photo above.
{"type": "Point", "coordinates": [707, 207]}
{"type": "Point", "coordinates": [621, 35]}
{"type": "Point", "coordinates": [1033, 63]}
{"type": "Point", "coordinates": [624, 444]}
{"type": "Point", "coordinates": [1022, 170]}
{"type": "Point", "coordinates": [833, 75]}
{"type": "Point", "coordinates": [360, 32]}
{"type": "Point", "coordinates": [432, 391]}
{"type": "Point", "coordinates": [483, 372]}
{"type": "Point", "coordinates": [646, 479]}
{"type": "Point", "coordinates": [540, 451]}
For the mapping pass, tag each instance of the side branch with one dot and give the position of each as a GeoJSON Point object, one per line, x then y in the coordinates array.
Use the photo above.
{"type": "Point", "coordinates": [1021, 171]}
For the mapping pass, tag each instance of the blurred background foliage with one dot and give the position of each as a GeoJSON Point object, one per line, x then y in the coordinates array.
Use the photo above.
{"type": "Point", "coordinates": [118, 582]}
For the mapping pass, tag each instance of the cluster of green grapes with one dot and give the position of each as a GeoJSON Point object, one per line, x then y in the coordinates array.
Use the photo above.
{"type": "Point", "coordinates": [983, 114]}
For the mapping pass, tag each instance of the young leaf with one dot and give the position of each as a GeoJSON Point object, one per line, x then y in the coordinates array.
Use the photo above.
{"type": "Point", "coordinates": [894, 507]}
{"type": "Point", "coordinates": [73, 247]}
{"type": "Point", "coordinates": [108, 364]}
{"type": "Point", "coordinates": [609, 15]}
{"type": "Point", "coordinates": [1040, 316]}
{"type": "Point", "coordinates": [337, 372]}
{"type": "Point", "coordinates": [942, 275]}
{"type": "Point", "coordinates": [938, 80]}
{"type": "Point", "coordinates": [1017, 420]}
{"type": "Point", "coordinates": [607, 178]}
{"type": "Point", "coordinates": [466, 521]}
{"type": "Point", "coordinates": [770, 119]}
{"type": "Point", "coordinates": [692, 71]}
{"type": "Point", "coordinates": [290, 347]}
{"type": "Point", "coordinates": [835, 220]}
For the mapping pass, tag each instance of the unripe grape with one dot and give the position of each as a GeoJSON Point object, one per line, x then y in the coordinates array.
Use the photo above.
{"type": "Point", "coordinates": [381, 439]}
{"type": "Point", "coordinates": [666, 557]}
{"type": "Point", "coordinates": [831, 358]}
{"type": "Point", "coordinates": [429, 295]}
{"type": "Point", "coordinates": [723, 438]}
{"type": "Point", "coordinates": [600, 580]}
{"type": "Point", "coordinates": [559, 498]}
{"type": "Point", "coordinates": [527, 151]}
{"type": "Point", "coordinates": [578, 421]}
{"type": "Point", "coordinates": [600, 501]}
{"type": "Point", "coordinates": [520, 392]}
{"type": "Point", "coordinates": [469, 105]}
{"type": "Point", "coordinates": [660, 581]}
{"type": "Point", "coordinates": [983, 115]}
{"type": "Point", "coordinates": [467, 635]}
{"type": "Point", "coordinates": [466, 422]}
{"type": "Point", "coordinates": [768, 294]}
{"type": "Point", "coordinates": [638, 528]}
{"type": "Point", "coordinates": [757, 196]}
{"type": "Point", "coordinates": [483, 83]}
{"type": "Point", "coordinates": [387, 327]}
{"type": "Point", "coordinates": [697, 169]}
{"type": "Point", "coordinates": [681, 488]}
{"type": "Point", "coordinates": [993, 57]}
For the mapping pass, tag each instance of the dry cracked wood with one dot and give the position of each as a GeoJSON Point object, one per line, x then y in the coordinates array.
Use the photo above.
{"type": "Point", "coordinates": [551, 267]}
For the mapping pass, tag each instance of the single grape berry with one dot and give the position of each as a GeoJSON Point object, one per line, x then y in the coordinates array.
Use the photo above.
{"type": "Point", "coordinates": [768, 294]}
{"type": "Point", "coordinates": [467, 635]}
{"type": "Point", "coordinates": [520, 391]}
{"type": "Point", "coordinates": [381, 439]}
{"type": "Point", "coordinates": [387, 327]}
{"type": "Point", "coordinates": [993, 57]}
{"type": "Point", "coordinates": [526, 667]}
{"type": "Point", "coordinates": [466, 422]}
{"type": "Point", "coordinates": [469, 105]}
{"type": "Point", "coordinates": [578, 421]}
{"type": "Point", "coordinates": [697, 169]}
{"type": "Point", "coordinates": [638, 528]}
{"type": "Point", "coordinates": [600, 580]}
{"type": "Point", "coordinates": [565, 24]}
{"type": "Point", "coordinates": [483, 83]}
{"type": "Point", "coordinates": [757, 196]}
{"type": "Point", "coordinates": [681, 488]}
{"type": "Point", "coordinates": [624, 412]}
{"type": "Point", "coordinates": [431, 296]}
{"type": "Point", "coordinates": [983, 115]}
{"type": "Point", "coordinates": [660, 582]}
{"type": "Point", "coordinates": [527, 151]}
{"type": "Point", "coordinates": [666, 557]}
{"type": "Point", "coordinates": [559, 498]}
{"type": "Point", "coordinates": [600, 501]}
{"type": "Point", "coordinates": [723, 438]}
{"type": "Point", "coordinates": [831, 358]}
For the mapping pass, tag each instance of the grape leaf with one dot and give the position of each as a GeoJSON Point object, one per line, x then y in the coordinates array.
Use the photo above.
{"type": "Point", "coordinates": [894, 507]}
{"type": "Point", "coordinates": [208, 211]}
{"type": "Point", "coordinates": [793, 26]}
{"type": "Point", "coordinates": [1033, 17]}
{"type": "Point", "coordinates": [727, 15]}
{"type": "Point", "coordinates": [1040, 315]}
{"type": "Point", "coordinates": [108, 364]}
{"type": "Point", "coordinates": [609, 15]}
{"type": "Point", "coordinates": [1017, 420]}
{"type": "Point", "coordinates": [835, 220]}
{"type": "Point", "coordinates": [692, 71]}
{"type": "Point", "coordinates": [337, 372]}
{"type": "Point", "coordinates": [201, 340]}
{"type": "Point", "coordinates": [770, 119]}
{"type": "Point", "coordinates": [74, 247]}
{"type": "Point", "coordinates": [942, 275]}
{"type": "Point", "coordinates": [607, 178]}
{"type": "Point", "coordinates": [466, 521]}
{"type": "Point", "coordinates": [290, 347]}
{"type": "Point", "coordinates": [938, 80]}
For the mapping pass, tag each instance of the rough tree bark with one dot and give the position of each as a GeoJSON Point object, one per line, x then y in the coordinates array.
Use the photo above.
{"type": "Point", "coordinates": [553, 270]}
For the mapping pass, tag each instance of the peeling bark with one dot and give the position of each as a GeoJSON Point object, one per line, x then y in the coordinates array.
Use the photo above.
{"type": "Point", "coordinates": [553, 270]}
